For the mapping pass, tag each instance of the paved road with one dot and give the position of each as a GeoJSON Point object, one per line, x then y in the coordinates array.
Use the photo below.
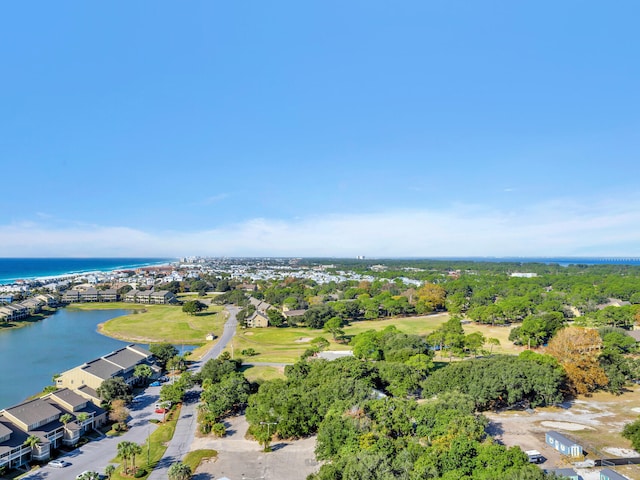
{"type": "Point", "coordinates": [96, 455]}
{"type": "Point", "coordinates": [188, 421]}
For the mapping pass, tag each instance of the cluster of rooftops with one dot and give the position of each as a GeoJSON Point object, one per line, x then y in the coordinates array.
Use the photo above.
{"type": "Point", "coordinates": [61, 417]}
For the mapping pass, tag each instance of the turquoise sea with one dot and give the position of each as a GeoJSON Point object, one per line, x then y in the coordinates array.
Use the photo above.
{"type": "Point", "coordinates": [12, 269]}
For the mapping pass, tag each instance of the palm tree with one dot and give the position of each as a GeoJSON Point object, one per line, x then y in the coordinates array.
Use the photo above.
{"type": "Point", "coordinates": [109, 470]}
{"type": "Point", "coordinates": [89, 476]}
{"type": "Point", "coordinates": [32, 441]}
{"type": "Point", "coordinates": [135, 449]}
{"type": "Point", "coordinates": [124, 451]}
{"type": "Point", "coordinates": [66, 418]}
{"type": "Point", "coordinates": [81, 418]}
{"type": "Point", "coordinates": [179, 471]}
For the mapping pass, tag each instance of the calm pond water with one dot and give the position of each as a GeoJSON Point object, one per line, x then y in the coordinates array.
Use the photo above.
{"type": "Point", "coordinates": [31, 355]}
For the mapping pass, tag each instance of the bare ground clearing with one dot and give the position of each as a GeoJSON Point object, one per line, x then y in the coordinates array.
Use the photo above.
{"type": "Point", "coordinates": [595, 422]}
{"type": "Point", "coordinates": [239, 458]}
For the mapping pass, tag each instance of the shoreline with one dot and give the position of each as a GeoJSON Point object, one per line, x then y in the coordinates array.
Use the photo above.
{"type": "Point", "coordinates": [79, 273]}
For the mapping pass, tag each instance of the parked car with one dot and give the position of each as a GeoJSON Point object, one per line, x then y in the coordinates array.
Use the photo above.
{"type": "Point", "coordinates": [154, 384]}
{"type": "Point", "coordinates": [58, 463]}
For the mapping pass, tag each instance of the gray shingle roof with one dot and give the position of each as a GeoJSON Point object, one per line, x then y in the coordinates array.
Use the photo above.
{"type": "Point", "coordinates": [101, 368]}
{"type": "Point", "coordinates": [125, 358]}
{"type": "Point", "coordinates": [69, 397]}
{"type": "Point", "coordinates": [33, 411]}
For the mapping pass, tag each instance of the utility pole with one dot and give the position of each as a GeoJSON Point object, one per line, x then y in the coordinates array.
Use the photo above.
{"type": "Point", "coordinates": [268, 424]}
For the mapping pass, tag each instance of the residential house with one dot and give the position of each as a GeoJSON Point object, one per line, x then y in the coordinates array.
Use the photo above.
{"type": "Point", "coordinates": [13, 312]}
{"type": "Point", "coordinates": [89, 295]}
{"type": "Point", "coordinates": [71, 296]}
{"type": "Point", "coordinates": [41, 417]}
{"type": "Point", "coordinates": [33, 305]}
{"type": "Point", "coordinates": [108, 295]}
{"type": "Point", "coordinates": [258, 319]}
{"type": "Point", "coordinates": [143, 297]}
{"type": "Point", "coordinates": [120, 363]}
{"type": "Point", "coordinates": [131, 295]}
{"type": "Point", "coordinates": [13, 451]}
{"type": "Point", "coordinates": [162, 297]}
{"type": "Point", "coordinates": [260, 305]}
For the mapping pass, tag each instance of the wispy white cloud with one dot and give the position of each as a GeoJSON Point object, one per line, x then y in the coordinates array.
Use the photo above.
{"type": "Point", "coordinates": [212, 199]}
{"type": "Point", "coordinates": [556, 228]}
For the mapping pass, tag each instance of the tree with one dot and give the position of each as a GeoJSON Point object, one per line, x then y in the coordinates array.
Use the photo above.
{"type": "Point", "coordinates": [66, 418]}
{"type": "Point", "coordinates": [114, 389]}
{"type": "Point", "coordinates": [119, 413]}
{"type": "Point", "coordinates": [81, 418]}
{"type": "Point", "coordinates": [631, 432]}
{"type": "Point", "coordinates": [474, 342]}
{"type": "Point", "coordinates": [193, 307]}
{"type": "Point", "coordinates": [163, 352]}
{"type": "Point", "coordinates": [577, 350]}
{"type": "Point", "coordinates": [142, 371]}
{"type": "Point", "coordinates": [179, 471]}
{"type": "Point", "coordinates": [492, 342]}
{"type": "Point", "coordinates": [109, 470]}
{"type": "Point", "coordinates": [32, 441]}
{"type": "Point", "coordinates": [134, 449]}
{"type": "Point", "coordinates": [124, 452]}
{"type": "Point", "coordinates": [334, 327]}
{"type": "Point", "coordinates": [89, 476]}
{"type": "Point", "coordinates": [276, 319]}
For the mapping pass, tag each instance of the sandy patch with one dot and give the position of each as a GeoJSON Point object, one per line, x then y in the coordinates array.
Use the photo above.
{"type": "Point", "coordinates": [621, 452]}
{"type": "Point", "coordinates": [303, 340]}
{"type": "Point", "coordinates": [570, 426]}
{"type": "Point", "coordinates": [248, 333]}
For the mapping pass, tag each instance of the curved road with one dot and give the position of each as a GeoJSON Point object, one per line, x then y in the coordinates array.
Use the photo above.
{"type": "Point", "coordinates": [188, 421]}
{"type": "Point", "coordinates": [94, 455]}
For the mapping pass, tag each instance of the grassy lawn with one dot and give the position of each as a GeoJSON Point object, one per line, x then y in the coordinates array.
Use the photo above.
{"type": "Point", "coordinates": [195, 458]}
{"type": "Point", "coordinates": [160, 323]}
{"type": "Point", "coordinates": [287, 344]}
{"type": "Point", "coordinates": [156, 448]}
{"type": "Point", "coordinates": [260, 374]}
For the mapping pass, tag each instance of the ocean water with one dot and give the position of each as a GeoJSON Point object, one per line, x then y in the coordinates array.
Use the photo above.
{"type": "Point", "coordinates": [12, 269]}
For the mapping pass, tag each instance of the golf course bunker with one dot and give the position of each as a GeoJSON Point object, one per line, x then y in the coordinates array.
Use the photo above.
{"type": "Point", "coordinates": [570, 426]}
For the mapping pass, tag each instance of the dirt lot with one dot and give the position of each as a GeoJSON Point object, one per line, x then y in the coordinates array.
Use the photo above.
{"type": "Point", "coordinates": [241, 459]}
{"type": "Point", "coordinates": [594, 422]}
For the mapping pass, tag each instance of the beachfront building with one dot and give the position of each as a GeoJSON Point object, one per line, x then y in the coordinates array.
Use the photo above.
{"type": "Point", "coordinates": [563, 444]}
{"type": "Point", "coordinates": [86, 378]}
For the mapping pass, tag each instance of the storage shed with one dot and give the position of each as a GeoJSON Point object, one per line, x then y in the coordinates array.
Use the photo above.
{"type": "Point", "coordinates": [608, 474]}
{"type": "Point", "coordinates": [563, 444]}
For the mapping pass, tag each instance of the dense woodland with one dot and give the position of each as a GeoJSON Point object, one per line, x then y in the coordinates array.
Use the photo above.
{"type": "Point", "coordinates": [365, 409]}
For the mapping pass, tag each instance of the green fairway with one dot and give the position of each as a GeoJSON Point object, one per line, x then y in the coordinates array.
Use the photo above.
{"type": "Point", "coordinates": [260, 374]}
{"type": "Point", "coordinates": [160, 323]}
{"type": "Point", "coordinates": [286, 345]}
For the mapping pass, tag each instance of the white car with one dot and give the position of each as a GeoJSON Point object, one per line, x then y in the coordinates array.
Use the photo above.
{"type": "Point", "coordinates": [58, 463]}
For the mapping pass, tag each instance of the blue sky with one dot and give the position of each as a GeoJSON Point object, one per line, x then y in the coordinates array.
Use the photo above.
{"type": "Point", "coordinates": [415, 128]}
